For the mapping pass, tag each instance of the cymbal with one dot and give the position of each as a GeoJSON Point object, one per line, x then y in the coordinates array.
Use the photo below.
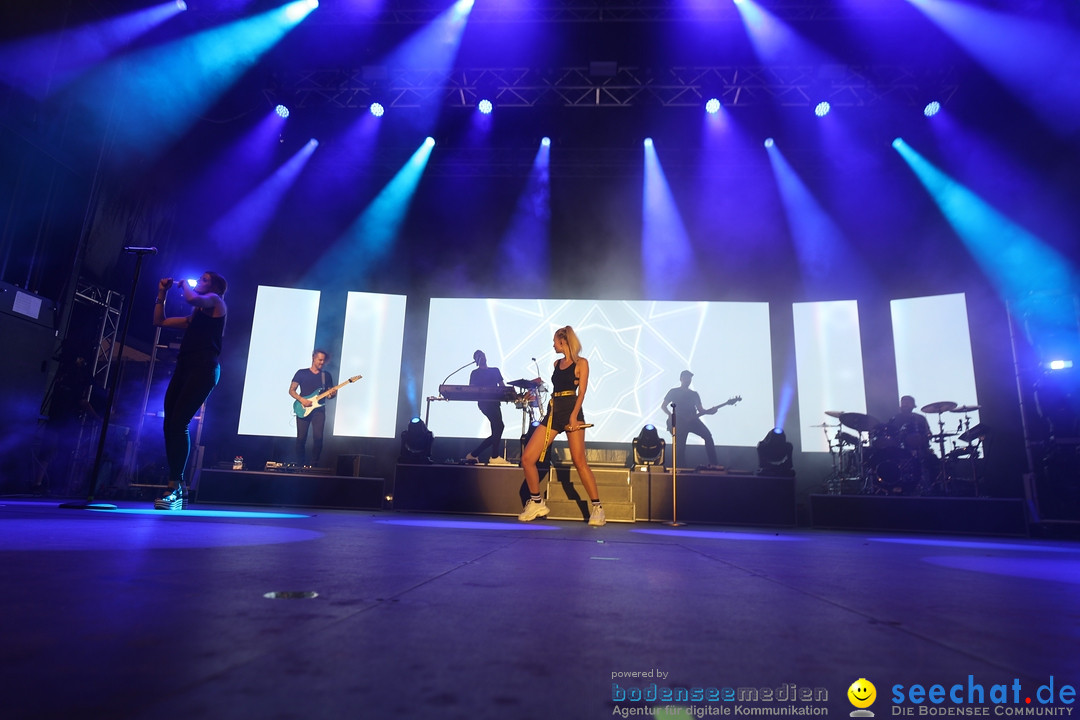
{"type": "Point", "coordinates": [835, 413]}
{"type": "Point", "coordinates": [527, 384]}
{"type": "Point", "coordinates": [822, 425]}
{"type": "Point", "coordinates": [939, 407]}
{"type": "Point", "coordinates": [966, 408]}
{"type": "Point", "coordinates": [859, 421]}
{"type": "Point", "coordinates": [975, 433]}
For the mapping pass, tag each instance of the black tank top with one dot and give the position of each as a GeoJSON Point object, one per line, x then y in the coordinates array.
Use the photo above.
{"type": "Point", "coordinates": [202, 339]}
{"type": "Point", "coordinates": [563, 379]}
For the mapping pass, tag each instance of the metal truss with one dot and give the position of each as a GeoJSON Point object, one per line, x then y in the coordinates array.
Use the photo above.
{"type": "Point", "coordinates": [597, 11]}
{"type": "Point", "coordinates": [523, 87]}
{"type": "Point", "coordinates": [111, 304]}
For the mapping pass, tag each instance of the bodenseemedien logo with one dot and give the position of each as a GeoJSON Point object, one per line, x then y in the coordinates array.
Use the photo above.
{"type": "Point", "coordinates": [862, 694]}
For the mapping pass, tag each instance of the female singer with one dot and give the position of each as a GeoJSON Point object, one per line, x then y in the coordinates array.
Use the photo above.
{"type": "Point", "coordinates": [195, 375]}
{"type": "Point", "coordinates": [569, 381]}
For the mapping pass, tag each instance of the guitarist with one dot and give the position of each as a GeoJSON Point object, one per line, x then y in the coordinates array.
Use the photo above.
{"type": "Point", "coordinates": [688, 410]}
{"type": "Point", "coordinates": [306, 384]}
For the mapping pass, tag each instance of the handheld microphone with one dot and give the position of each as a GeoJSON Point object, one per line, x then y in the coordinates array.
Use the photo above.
{"type": "Point", "coordinates": [140, 250]}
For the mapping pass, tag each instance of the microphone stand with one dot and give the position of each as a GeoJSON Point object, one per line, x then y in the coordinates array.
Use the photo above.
{"type": "Point", "coordinates": [139, 252]}
{"type": "Point", "coordinates": [674, 470]}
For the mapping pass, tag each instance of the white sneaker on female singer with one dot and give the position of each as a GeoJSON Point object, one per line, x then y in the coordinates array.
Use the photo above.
{"type": "Point", "coordinates": [596, 516]}
{"type": "Point", "coordinates": [533, 510]}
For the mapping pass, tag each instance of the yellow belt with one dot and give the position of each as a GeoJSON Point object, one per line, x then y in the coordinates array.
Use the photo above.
{"type": "Point", "coordinates": [550, 414]}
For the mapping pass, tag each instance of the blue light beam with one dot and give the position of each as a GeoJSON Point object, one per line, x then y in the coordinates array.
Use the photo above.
{"type": "Point", "coordinates": [1023, 269]}
{"type": "Point", "coordinates": [667, 258]}
{"type": "Point", "coordinates": [365, 245]}
{"type": "Point", "coordinates": [152, 96]}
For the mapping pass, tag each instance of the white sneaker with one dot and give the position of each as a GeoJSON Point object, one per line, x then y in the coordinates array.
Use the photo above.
{"type": "Point", "coordinates": [596, 516]}
{"type": "Point", "coordinates": [470, 459]}
{"type": "Point", "coordinates": [499, 460]}
{"type": "Point", "coordinates": [533, 510]}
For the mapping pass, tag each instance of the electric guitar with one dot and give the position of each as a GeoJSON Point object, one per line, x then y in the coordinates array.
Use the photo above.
{"type": "Point", "coordinates": [316, 397]}
{"type": "Point", "coordinates": [710, 411]}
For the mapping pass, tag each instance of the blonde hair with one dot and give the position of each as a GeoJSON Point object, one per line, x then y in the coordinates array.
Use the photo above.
{"type": "Point", "coordinates": [572, 343]}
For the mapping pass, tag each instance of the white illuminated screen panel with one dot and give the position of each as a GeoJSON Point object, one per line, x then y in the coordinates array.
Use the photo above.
{"type": "Point", "coordinates": [370, 346]}
{"type": "Point", "coordinates": [933, 356]}
{"type": "Point", "coordinates": [829, 367]}
{"type": "Point", "coordinates": [283, 335]}
{"type": "Point", "coordinates": [636, 350]}
{"type": "Point", "coordinates": [282, 338]}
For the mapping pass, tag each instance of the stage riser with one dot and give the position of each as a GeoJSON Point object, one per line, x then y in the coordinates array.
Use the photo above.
{"type": "Point", "coordinates": [241, 487]}
{"type": "Point", "coordinates": [711, 499]}
{"type": "Point", "coordinates": [974, 516]}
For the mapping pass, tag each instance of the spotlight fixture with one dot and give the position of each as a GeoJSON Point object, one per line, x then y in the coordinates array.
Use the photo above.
{"type": "Point", "coordinates": [180, 4]}
{"type": "Point", "coordinates": [545, 141]}
{"type": "Point", "coordinates": [485, 106]}
{"type": "Point", "coordinates": [932, 109]}
{"type": "Point", "coordinates": [416, 441]}
{"type": "Point", "coordinates": [822, 109]}
{"type": "Point", "coordinates": [769, 142]}
{"type": "Point", "coordinates": [376, 109]}
{"type": "Point", "coordinates": [648, 447]}
{"type": "Point", "coordinates": [648, 142]}
{"type": "Point", "coordinates": [282, 111]}
{"type": "Point", "coordinates": [712, 106]}
{"type": "Point", "coordinates": [774, 455]}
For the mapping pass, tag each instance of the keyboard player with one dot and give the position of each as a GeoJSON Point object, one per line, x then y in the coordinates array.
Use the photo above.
{"type": "Point", "coordinates": [484, 376]}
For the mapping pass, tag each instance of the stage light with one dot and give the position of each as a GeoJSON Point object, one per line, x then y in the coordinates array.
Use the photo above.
{"type": "Point", "coordinates": [545, 141]}
{"type": "Point", "coordinates": [313, 143]}
{"type": "Point", "coordinates": [484, 106]}
{"type": "Point", "coordinates": [712, 106]}
{"type": "Point", "coordinates": [191, 283]}
{"type": "Point", "coordinates": [297, 11]}
{"type": "Point", "coordinates": [769, 142]}
{"type": "Point", "coordinates": [822, 109]}
{"type": "Point", "coordinates": [429, 142]}
{"type": "Point", "coordinates": [932, 109]}
{"type": "Point", "coordinates": [1059, 364]}
{"type": "Point", "coordinates": [181, 4]}
{"type": "Point", "coordinates": [376, 109]}
{"type": "Point", "coordinates": [774, 455]}
{"type": "Point", "coordinates": [416, 441]}
{"type": "Point", "coordinates": [282, 111]}
{"type": "Point", "coordinates": [648, 447]}
{"type": "Point", "coordinates": [648, 142]}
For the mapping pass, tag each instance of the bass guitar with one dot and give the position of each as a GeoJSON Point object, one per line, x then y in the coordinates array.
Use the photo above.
{"type": "Point", "coordinates": [710, 411]}
{"type": "Point", "coordinates": [317, 397]}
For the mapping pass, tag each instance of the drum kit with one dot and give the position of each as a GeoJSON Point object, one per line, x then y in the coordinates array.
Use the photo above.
{"type": "Point", "coordinates": [896, 458]}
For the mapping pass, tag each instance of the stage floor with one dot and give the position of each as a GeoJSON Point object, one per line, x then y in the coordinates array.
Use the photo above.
{"type": "Point", "coordinates": [132, 613]}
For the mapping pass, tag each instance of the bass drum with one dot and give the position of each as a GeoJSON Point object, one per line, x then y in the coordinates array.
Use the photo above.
{"type": "Point", "coordinates": [894, 471]}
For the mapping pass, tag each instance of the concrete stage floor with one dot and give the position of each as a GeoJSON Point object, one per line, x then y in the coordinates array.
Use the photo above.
{"type": "Point", "coordinates": [132, 613]}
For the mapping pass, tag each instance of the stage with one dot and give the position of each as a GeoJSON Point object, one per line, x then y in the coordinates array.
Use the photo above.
{"type": "Point", "coordinates": [237, 612]}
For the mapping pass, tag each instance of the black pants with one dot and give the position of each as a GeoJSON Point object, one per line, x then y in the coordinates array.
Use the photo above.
{"type": "Point", "coordinates": [695, 426]}
{"type": "Point", "coordinates": [188, 389]}
{"type": "Point", "coordinates": [493, 412]}
{"type": "Point", "coordinates": [316, 421]}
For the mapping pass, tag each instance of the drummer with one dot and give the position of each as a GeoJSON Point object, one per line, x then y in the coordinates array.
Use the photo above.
{"type": "Point", "coordinates": [912, 429]}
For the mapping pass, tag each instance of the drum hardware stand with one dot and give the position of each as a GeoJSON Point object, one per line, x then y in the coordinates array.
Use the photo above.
{"type": "Point", "coordinates": [674, 470]}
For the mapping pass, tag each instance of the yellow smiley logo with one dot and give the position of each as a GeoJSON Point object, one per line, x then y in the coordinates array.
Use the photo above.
{"type": "Point", "coordinates": [862, 693]}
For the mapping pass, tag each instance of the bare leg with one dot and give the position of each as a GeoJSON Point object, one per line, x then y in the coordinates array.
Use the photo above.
{"type": "Point", "coordinates": [531, 455]}
{"type": "Point", "coordinates": [577, 454]}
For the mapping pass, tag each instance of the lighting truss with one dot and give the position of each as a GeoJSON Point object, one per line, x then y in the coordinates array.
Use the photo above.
{"type": "Point", "coordinates": [732, 85]}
